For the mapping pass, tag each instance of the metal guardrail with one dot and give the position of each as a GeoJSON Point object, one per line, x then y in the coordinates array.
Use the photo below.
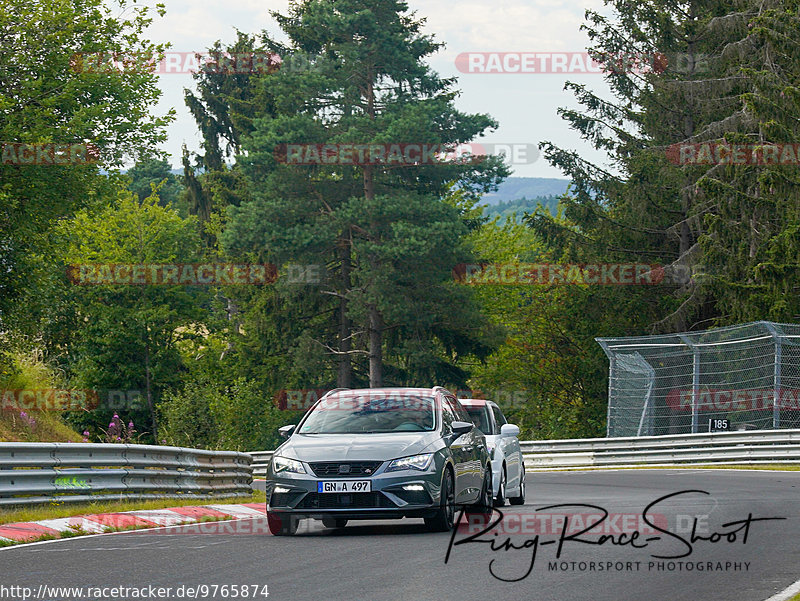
{"type": "Point", "coordinates": [261, 461]}
{"type": "Point", "coordinates": [750, 447]}
{"type": "Point", "coordinates": [32, 473]}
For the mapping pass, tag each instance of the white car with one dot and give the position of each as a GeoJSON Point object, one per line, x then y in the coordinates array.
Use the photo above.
{"type": "Point", "coordinates": [508, 468]}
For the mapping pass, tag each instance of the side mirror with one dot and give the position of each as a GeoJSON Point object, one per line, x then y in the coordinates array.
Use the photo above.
{"type": "Point", "coordinates": [460, 428]}
{"type": "Point", "coordinates": [509, 430]}
{"type": "Point", "coordinates": [286, 431]}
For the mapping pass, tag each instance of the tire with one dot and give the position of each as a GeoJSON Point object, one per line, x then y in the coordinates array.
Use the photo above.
{"type": "Point", "coordinates": [500, 499]}
{"type": "Point", "coordinates": [334, 522]}
{"type": "Point", "coordinates": [520, 500]}
{"type": "Point", "coordinates": [444, 519]}
{"type": "Point", "coordinates": [483, 506]}
{"type": "Point", "coordinates": [282, 525]}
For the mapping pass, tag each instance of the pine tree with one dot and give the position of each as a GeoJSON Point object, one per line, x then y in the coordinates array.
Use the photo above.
{"type": "Point", "coordinates": [384, 234]}
{"type": "Point", "coordinates": [647, 207]}
{"type": "Point", "coordinates": [752, 240]}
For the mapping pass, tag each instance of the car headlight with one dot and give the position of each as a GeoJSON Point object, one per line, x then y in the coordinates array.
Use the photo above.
{"type": "Point", "coordinates": [416, 462]}
{"type": "Point", "coordinates": [284, 464]}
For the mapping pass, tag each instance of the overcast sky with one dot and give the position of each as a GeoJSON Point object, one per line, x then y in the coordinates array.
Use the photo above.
{"type": "Point", "coordinates": [525, 104]}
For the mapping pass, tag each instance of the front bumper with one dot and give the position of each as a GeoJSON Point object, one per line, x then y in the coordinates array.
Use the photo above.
{"type": "Point", "coordinates": [393, 495]}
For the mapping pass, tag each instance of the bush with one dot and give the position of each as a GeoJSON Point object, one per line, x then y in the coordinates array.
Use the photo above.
{"type": "Point", "coordinates": [207, 414]}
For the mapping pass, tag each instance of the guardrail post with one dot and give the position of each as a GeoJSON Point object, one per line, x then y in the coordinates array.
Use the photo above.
{"type": "Point", "coordinates": [695, 390]}
{"type": "Point", "coordinates": [612, 364]}
{"type": "Point", "coordinates": [695, 382]}
{"type": "Point", "coordinates": [776, 376]}
{"type": "Point", "coordinates": [776, 384]}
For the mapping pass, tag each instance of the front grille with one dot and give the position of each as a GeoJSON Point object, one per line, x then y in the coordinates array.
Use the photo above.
{"type": "Point", "coordinates": [361, 500]}
{"type": "Point", "coordinates": [330, 469]}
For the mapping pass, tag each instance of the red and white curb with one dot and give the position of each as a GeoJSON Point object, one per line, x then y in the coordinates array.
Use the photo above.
{"type": "Point", "coordinates": [142, 519]}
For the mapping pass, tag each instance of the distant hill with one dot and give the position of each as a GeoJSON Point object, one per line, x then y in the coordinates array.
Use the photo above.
{"type": "Point", "coordinates": [521, 206]}
{"type": "Point", "coordinates": [515, 188]}
{"type": "Point", "coordinates": [515, 195]}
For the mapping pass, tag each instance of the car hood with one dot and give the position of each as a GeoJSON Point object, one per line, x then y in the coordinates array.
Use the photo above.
{"type": "Point", "coordinates": [356, 447]}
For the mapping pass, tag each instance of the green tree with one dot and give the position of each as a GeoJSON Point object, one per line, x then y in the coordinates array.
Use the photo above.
{"type": "Point", "coordinates": [734, 81]}
{"type": "Point", "coordinates": [751, 241]}
{"type": "Point", "coordinates": [128, 336]}
{"type": "Point", "coordinates": [548, 373]}
{"type": "Point", "coordinates": [154, 172]}
{"type": "Point", "coordinates": [385, 235]}
{"type": "Point", "coordinates": [227, 99]}
{"type": "Point", "coordinates": [52, 91]}
{"type": "Point", "coordinates": [643, 208]}
{"type": "Point", "coordinates": [731, 78]}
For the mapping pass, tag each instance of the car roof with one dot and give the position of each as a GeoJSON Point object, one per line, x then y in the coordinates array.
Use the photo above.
{"type": "Point", "coordinates": [392, 390]}
{"type": "Point", "coordinates": [474, 402]}
{"type": "Point", "coordinates": [389, 391]}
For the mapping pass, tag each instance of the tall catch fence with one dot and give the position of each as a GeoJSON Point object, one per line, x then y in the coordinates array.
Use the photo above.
{"type": "Point", "coordinates": [676, 383]}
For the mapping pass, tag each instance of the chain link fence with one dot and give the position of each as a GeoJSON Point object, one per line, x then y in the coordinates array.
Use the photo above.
{"type": "Point", "coordinates": [676, 383]}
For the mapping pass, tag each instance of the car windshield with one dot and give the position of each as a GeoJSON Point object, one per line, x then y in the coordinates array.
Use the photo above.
{"type": "Point", "coordinates": [369, 414]}
{"type": "Point", "coordinates": [480, 417]}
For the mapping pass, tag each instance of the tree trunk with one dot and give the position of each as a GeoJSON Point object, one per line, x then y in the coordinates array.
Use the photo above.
{"type": "Point", "coordinates": [375, 326]}
{"type": "Point", "coordinates": [686, 240]}
{"type": "Point", "coordinates": [345, 376]}
{"type": "Point", "coordinates": [150, 406]}
{"type": "Point", "coordinates": [375, 350]}
{"type": "Point", "coordinates": [687, 196]}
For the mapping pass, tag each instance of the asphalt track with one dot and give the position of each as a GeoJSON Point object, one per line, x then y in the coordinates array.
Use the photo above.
{"type": "Point", "coordinates": [398, 560]}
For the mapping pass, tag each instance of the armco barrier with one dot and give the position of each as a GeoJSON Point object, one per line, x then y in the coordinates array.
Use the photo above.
{"type": "Point", "coordinates": [261, 461]}
{"type": "Point", "coordinates": [33, 473]}
{"type": "Point", "coordinates": [750, 447]}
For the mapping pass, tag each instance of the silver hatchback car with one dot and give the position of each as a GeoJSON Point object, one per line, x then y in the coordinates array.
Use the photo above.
{"type": "Point", "coordinates": [383, 453]}
{"type": "Point", "coordinates": [508, 465]}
